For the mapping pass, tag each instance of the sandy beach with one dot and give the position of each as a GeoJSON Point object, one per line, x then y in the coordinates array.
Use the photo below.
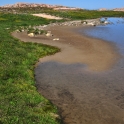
{"type": "Point", "coordinates": [83, 80]}
{"type": "Point", "coordinates": [95, 54]}
{"type": "Point", "coordinates": [43, 15]}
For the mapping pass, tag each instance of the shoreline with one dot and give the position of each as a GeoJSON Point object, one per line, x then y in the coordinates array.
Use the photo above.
{"type": "Point", "coordinates": [64, 79]}
{"type": "Point", "coordinates": [96, 54]}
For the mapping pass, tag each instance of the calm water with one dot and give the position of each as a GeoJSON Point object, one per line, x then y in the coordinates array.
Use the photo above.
{"type": "Point", "coordinates": [113, 32]}
{"type": "Point", "coordinates": [84, 97]}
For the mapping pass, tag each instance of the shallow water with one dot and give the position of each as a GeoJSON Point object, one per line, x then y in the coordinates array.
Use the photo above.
{"type": "Point", "coordinates": [113, 32]}
{"type": "Point", "coordinates": [82, 96]}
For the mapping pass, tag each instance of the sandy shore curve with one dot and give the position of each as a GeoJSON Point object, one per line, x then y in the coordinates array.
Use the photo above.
{"type": "Point", "coordinates": [82, 80]}
{"type": "Point", "coordinates": [95, 54]}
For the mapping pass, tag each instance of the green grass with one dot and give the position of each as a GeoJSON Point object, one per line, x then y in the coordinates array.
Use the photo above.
{"type": "Point", "coordinates": [85, 14]}
{"type": "Point", "coordinates": [71, 14]}
{"type": "Point", "coordinates": [20, 103]}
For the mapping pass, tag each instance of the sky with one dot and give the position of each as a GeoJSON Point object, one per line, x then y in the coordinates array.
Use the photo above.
{"type": "Point", "coordinates": [85, 4]}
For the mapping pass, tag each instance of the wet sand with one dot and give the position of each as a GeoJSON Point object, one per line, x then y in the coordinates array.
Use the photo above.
{"type": "Point", "coordinates": [97, 55]}
{"type": "Point", "coordinates": [84, 80]}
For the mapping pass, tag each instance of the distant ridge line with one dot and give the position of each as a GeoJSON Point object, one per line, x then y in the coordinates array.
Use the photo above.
{"type": "Point", "coordinates": [23, 5]}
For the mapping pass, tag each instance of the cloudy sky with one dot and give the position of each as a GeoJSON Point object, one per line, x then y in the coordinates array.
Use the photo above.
{"type": "Point", "coordinates": [86, 4]}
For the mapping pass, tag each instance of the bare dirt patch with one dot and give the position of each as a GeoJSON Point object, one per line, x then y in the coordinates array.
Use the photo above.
{"type": "Point", "coordinates": [43, 15]}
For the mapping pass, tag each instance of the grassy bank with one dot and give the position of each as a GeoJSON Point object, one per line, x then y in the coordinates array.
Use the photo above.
{"type": "Point", "coordinates": [85, 14]}
{"type": "Point", "coordinates": [20, 103]}
{"type": "Point", "coordinates": [70, 14]}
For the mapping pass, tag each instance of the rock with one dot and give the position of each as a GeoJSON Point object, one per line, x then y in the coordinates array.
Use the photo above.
{"type": "Point", "coordinates": [44, 26]}
{"type": "Point", "coordinates": [56, 116]}
{"type": "Point", "coordinates": [23, 30]}
{"type": "Point", "coordinates": [56, 39]}
{"type": "Point", "coordinates": [49, 34]}
{"type": "Point", "coordinates": [17, 31]}
{"type": "Point", "coordinates": [39, 32]}
{"type": "Point", "coordinates": [31, 34]}
{"type": "Point", "coordinates": [90, 23]}
{"type": "Point", "coordinates": [84, 23]}
{"type": "Point", "coordinates": [106, 22]}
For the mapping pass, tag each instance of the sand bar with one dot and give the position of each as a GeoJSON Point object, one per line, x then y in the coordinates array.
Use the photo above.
{"type": "Point", "coordinates": [43, 15]}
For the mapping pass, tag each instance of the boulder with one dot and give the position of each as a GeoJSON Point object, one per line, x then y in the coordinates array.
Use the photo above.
{"type": "Point", "coordinates": [90, 23]}
{"type": "Point", "coordinates": [84, 23]}
{"type": "Point", "coordinates": [23, 30]}
{"type": "Point", "coordinates": [31, 34]}
{"type": "Point", "coordinates": [17, 31]}
{"type": "Point", "coordinates": [56, 39]}
{"type": "Point", "coordinates": [49, 34]}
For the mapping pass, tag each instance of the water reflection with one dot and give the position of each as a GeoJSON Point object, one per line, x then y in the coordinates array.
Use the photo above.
{"type": "Point", "coordinates": [113, 32]}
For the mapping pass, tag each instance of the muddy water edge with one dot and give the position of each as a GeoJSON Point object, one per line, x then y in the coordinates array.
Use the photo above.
{"type": "Point", "coordinates": [85, 80]}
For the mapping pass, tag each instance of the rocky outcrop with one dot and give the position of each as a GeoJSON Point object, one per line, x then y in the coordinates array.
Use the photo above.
{"type": "Point", "coordinates": [23, 5]}
{"type": "Point", "coordinates": [118, 9]}
{"type": "Point", "coordinates": [103, 9]}
{"type": "Point", "coordinates": [91, 22]}
{"type": "Point", "coordinates": [33, 5]}
{"type": "Point", "coordinates": [66, 8]}
{"type": "Point", "coordinates": [33, 31]}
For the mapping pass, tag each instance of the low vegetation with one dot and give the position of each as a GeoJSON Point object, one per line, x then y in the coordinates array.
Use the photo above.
{"type": "Point", "coordinates": [36, 31]}
{"type": "Point", "coordinates": [69, 14]}
{"type": "Point", "coordinates": [85, 14]}
{"type": "Point", "coordinates": [20, 103]}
